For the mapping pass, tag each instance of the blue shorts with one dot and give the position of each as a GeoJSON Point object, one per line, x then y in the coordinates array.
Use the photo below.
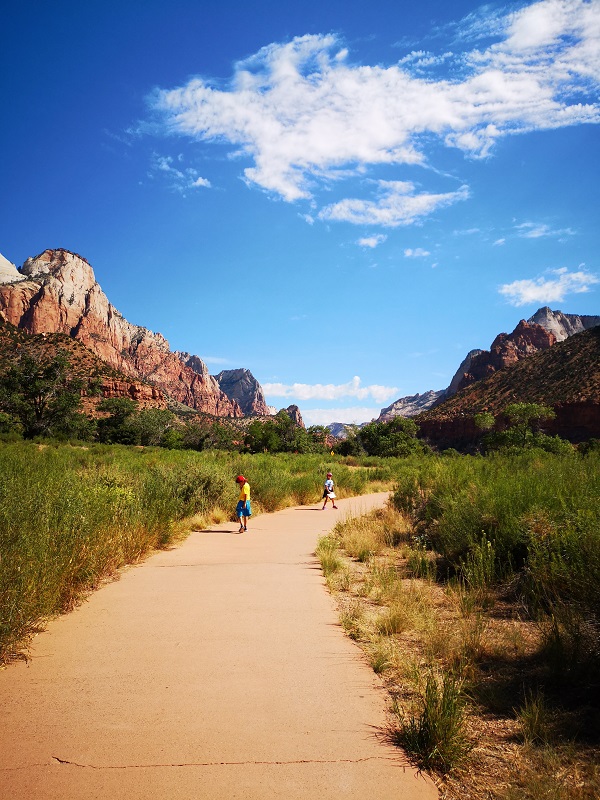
{"type": "Point", "coordinates": [243, 508]}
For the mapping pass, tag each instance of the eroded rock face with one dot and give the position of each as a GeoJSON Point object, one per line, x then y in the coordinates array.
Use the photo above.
{"type": "Point", "coordinates": [294, 414]}
{"type": "Point", "coordinates": [241, 385]}
{"type": "Point", "coordinates": [507, 348]}
{"type": "Point", "coordinates": [563, 325]}
{"type": "Point", "coordinates": [410, 406]}
{"type": "Point", "coordinates": [60, 295]}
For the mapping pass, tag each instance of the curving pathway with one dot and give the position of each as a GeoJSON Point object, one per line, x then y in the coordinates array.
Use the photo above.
{"type": "Point", "coordinates": [213, 671]}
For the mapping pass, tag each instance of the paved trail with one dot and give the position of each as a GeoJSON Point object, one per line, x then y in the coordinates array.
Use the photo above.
{"type": "Point", "coordinates": [213, 671]}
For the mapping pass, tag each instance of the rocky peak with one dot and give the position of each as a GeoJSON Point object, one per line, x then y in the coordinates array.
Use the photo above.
{"type": "Point", "coordinates": [294, 414]}
{"type": "Point", "coordinates": [508, 348]}
{"type": "Point", "coordinates": [8, 272]}
{"type": "Point", "coordinates": [563, 325]}
{"type": "Point", "coordinates": [241, 386]}
{"type": "Point", "coordinates": [195, 363]}
{"type": "Point", "coordinates": [60, 295]}
{"type": "Point", "coordinates": [410, 406]}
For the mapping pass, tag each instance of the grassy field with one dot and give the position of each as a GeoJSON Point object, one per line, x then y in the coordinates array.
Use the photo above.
{"type": "Point", "coordinates": [70, 517]}
{"type": "Point", "coordinates": [475, 596]}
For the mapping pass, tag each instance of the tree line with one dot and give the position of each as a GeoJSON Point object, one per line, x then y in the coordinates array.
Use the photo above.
{"type": "Point", "coordinates": [39, 397]}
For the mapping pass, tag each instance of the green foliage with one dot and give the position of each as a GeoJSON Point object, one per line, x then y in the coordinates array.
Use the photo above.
{"type": "Point", "coordinates": [398, 438]}
{"type": "Point", "coordinates": [281, 435]}
{"type": "Point", "coordinates": [40, 395]}
{"type": "Point", "coordinates": [524, 421]}
{"type": "Point", "coordinates": [529, 513]}
{"type": "Point", "coordinates": [484, 421]}
{"type": "Point", "coordinates": [119, 426]}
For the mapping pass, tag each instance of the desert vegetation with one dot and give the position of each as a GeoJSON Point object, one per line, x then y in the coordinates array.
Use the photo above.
{"type": "Point", "coordinates": [476, 596]}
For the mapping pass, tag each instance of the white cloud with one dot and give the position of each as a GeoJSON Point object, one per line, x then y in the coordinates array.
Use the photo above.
{"type": "Point", "coordinates": [397, 204]}
{"type": "Point", "coordinates": [418, 252]}
{"type": "Point", "coordinates": [499, 242]}
{"type": "Point", "coordinates": [304, 114]}
{"type": "Point", "coordinates": [548, 290]}
{"type": "Point", "coordinates": [537, 230]}
{"type": "Point", "coordinates": [324, 416]}
{"type": "Point", "coordinates": [372, 241]}
{"type": "Point", "coordinates": [181, 179]}
{"type": "Point", "coordinates": [330, 391]}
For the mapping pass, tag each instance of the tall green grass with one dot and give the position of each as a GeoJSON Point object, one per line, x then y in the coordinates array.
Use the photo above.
{"type": "Point", "coordinates": [533, 515]}
{"type": "Point", "coordinates": [71, 516]}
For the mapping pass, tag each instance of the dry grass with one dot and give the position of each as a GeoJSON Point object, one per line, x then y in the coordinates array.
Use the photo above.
{"type": "Point", "coordinates": [522, 743]}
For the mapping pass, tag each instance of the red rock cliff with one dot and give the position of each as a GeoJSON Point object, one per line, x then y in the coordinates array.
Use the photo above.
{"type": "Point", "coordinates": [59, 294]}
{"type": "Point", "coordinates": [508, 348]}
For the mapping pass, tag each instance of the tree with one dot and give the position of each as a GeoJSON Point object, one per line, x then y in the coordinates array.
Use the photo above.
{"type": "Point", "coordinates": [119, 426]}
{"type": "Point", "coordinates": [398, 437]}
{"type": "Point", "coordinates": [523, 431]}
{"type": "Point", "coordinates": [41, 395]}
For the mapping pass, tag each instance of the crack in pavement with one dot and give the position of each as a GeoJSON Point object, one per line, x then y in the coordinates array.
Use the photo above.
{"type": "Point", "coordinates": [226, 763]}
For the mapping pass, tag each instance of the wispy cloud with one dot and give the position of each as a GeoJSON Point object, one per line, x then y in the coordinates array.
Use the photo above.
{"type": "Point", "coordinates": [417, 252]}
{"type": "Point", "coordinates": [351, 416]}
{"type": "Point", "coordinates": [548, 289]}
{"type": "Point", "coordinates": [499, 242]}
{"type": "Point", "coordinates": [330, 391]}
{"type": "Point", "coordinates": [397, 204]}
{"type": "Point", "coordinates": [304, 114]}
{"type": "Point", "coordinates": [537, 230]}
{"type": "Point", "coordinates": [372, 241]}
{"type": "Point", "coordinates": [181, 178]}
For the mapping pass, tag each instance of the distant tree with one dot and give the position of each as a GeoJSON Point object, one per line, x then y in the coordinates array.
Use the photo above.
{"type": "Point", "coordinates": [152, 424]}
{"type": "Point", "coordinates": [484, 421]}
{"type": "Point", "coordinates": [119, 427]}
{"type": "Point", "coordinates": [523, 431]}
{"type": "Point", "coordinates": [398, 437]}
{"type": "Point", "coordinates": [39, 393]}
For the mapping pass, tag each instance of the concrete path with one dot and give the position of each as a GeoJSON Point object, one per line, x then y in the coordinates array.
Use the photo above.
{"type": "Point", "coordinates": [213, 671]}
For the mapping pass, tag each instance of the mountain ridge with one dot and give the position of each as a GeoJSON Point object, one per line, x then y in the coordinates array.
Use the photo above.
{"type": "Point", "coordinates": [56, 292]}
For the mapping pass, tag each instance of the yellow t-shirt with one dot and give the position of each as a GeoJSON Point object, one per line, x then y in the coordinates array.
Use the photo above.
{"type": "Point", "coordinates": [245, 491]}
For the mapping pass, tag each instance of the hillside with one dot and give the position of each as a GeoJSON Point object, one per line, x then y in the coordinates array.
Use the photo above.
{"type": "Point", "coordinates": [101, 380]}
{"type": "Point", "coordinates": [566, 377]}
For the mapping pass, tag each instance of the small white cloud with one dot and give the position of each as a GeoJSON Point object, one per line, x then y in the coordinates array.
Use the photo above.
{"type": "Point", "coordinates": [180, 180]}
{"type": "Point", "coordinates": [418, 252]}
{"type": "Point", "coordinates": [372, 241]}
{"type": "Point", "coordinates": [537, 230]}
{"type": "Point", "coordinates": [350, 416]}
{"type": "Point", "coordinates": [499, 242]}
{"type": "Point", "coordinates": [330, 391]}
{"type": "Point", "coordinates": [397, 204]}
{"type": "Point", "coordinates": [548, 290]}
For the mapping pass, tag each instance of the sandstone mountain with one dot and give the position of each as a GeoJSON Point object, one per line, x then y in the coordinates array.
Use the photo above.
{"type": "Point", "coordinates": [565, 376]}
{"type": "Point", "coordinates": [56, 292]}
{"type": "Point", "coordinates": [99, 381]}
{"type": "Point", "coordinates": [507, 348]}
{"type": "Point", "coordinates": [241, 386]}
{"type": "Point", "coordinates": [539, 332]}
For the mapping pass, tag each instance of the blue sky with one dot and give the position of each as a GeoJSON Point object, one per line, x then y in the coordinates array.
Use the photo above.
{"type": "Point", "coordinates": [344, 198]}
